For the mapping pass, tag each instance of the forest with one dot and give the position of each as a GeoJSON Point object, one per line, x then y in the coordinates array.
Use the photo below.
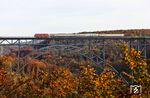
{"type": "Point", "coordinates": [53, 77]}
{"type": "Point", "coordinates": [129, 32]}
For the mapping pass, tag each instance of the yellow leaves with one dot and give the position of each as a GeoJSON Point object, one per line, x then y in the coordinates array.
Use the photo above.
{"type": "Point", "coordinates": [46, 74]}
{"type": "Point", "coordinates": [130, 76]}
{"type": "Point", "coordinates": [135, 72]}
{"type": "Point", "coordinates": [59, 81]}
{"type": "Point", "coordinates": [137, 66]}
{"type": "Point", "coordinates": [62, 81]}
{"type": "Point", "coordinates": [92, 84]}
{"type": "Point", "coordinates": [139, 63]}
{"type": "Point", "coordinates": [97, 82]}
{"type": "Point", "coordinates": [87, 70]}
{"type": "Point", "coordinates": [89, 81]}
{"type": "Point", "coordinates": [135, 96]}
{"type": "Point", "coordinates": [133, 58]}
{"type": "Point", "coordinates": [138, 54]}
{"type": "Point", "coordinates": [139, 79]}
{"type": "Point", "coordinates": [143, 62]}
{"type": "Point", "coordinates": [132, 52]}
{"type": "Point", "coordinates": [133, 64]}
{"type": "Point", "coordinates": [6, 60]}
{"type": "Point", "coordinates": [126, 50]}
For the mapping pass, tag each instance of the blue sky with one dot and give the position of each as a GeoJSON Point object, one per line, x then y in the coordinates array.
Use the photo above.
{"type": "Point", "coordinates": [27, 17]}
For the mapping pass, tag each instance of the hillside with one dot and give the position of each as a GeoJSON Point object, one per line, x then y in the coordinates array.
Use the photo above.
{"type": "Point", "coordinates": [129, 32]}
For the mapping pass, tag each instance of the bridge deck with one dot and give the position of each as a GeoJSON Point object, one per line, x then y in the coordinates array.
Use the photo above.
{"type": "Point", "coordinates": [76, 37]}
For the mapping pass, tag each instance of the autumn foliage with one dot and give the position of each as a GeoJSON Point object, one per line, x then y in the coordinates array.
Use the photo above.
{"type": "Point", "coordinates": [52, 81]}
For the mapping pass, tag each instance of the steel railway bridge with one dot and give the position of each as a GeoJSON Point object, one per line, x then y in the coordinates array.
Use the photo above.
{"type": "Point", "coordinates": [95, 48]}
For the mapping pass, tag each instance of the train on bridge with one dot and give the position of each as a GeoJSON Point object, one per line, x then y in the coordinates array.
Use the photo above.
{"type": "Point", "coordinates": [46, 35]}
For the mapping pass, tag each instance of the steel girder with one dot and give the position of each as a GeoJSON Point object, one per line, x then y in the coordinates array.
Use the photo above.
{"type": "Point", "coordinates": [93, 48]}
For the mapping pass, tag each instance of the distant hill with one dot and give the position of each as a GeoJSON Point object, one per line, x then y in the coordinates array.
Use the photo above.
{"type": "Point", "coordinates": [130, 32]}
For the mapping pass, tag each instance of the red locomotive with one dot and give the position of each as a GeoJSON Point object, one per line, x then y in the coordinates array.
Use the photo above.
{"type": "Point", "coordinates": [41, 35]}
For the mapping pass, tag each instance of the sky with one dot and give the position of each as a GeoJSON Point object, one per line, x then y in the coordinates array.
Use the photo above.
{"type": "Point", "coordinates": [27, 17]}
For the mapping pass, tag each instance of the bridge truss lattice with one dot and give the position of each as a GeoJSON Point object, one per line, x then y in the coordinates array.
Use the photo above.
{"type": "Point", "coordinates": [96, 49]}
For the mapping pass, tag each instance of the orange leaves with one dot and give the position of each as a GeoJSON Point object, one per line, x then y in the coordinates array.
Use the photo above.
{"type": "Point", "coordinates": [61, 81]}
{"type": "Point", "coordinates": [2, 75]}
{"type": "Point", "coordinates": [5, 60]}
{"type": "Point", "coordinates": [47, 91]}
{"type": "Point", "coordinates": [52, 81]}
{"type": "Point", "coordinates": [37, 63]}
{"type": "Point", "coordinates": [88, 94]}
